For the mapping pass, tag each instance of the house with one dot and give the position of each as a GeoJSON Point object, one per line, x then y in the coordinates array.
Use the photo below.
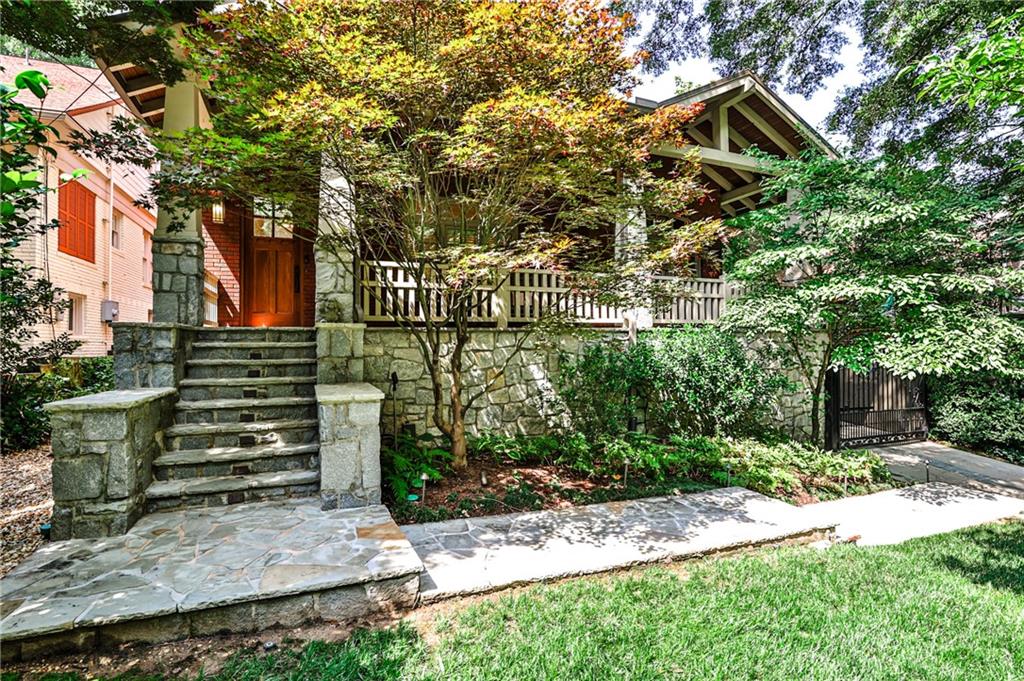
{"type": "Point", "coordinates": [289, 394]}
{"type": "Point", "coordinates": [101, 253]}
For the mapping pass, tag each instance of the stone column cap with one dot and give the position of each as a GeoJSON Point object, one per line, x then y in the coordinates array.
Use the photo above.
{"type": "Point", "coordinates": [347, 392]}
{"type": "Point", "coordinates": [112, 400]}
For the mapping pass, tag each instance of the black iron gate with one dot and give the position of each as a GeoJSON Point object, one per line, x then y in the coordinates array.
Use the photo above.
{"type": "Point", "coordinates": [873, 408]}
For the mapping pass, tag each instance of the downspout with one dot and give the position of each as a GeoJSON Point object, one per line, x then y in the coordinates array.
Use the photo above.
{"type": "Point", "coordinates": [110, 229]}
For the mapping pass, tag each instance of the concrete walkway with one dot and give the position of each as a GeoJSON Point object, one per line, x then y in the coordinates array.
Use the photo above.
{"type": "Point", "coordinates": [483, 554]}
{"type": "Point", "coordinates": [897, 515]}
{"type": "Point", "coordinates": [476, 555]}
{"type": "Point", "coordinates": [955, 466]}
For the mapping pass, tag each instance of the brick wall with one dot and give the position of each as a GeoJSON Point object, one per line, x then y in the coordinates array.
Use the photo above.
{"type": "Point", "coordinates": [223, 258]}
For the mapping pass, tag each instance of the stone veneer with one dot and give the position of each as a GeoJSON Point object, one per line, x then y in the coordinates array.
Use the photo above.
{"type": "Point", "coordinates": [178, 279]}
{"type": "Point", "coordinates": [150, 355]}
{"type": "Point", "coordinates": [103, 451]}
{"type": "Point", "coordinates": [349, 445]}
{"type": "Point", "coordinates": [523, 401]}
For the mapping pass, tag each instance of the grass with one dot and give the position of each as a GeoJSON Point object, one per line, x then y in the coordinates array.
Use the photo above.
{"type": "Point", "coordinates": [944, 607]}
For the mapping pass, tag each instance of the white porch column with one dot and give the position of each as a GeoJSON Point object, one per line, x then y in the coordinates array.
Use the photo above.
{"type": "Point", "coordinates": [178, 254]}
{"type": "Point", "coordinates": [631, 232]}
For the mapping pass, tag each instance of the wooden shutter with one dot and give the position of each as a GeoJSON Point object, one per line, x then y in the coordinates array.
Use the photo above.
{"type": "Point", "coordinates": [77, 214]}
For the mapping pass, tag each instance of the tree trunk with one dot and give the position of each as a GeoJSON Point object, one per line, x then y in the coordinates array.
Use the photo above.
{"type": "Point", "coordinates": [458, 413]}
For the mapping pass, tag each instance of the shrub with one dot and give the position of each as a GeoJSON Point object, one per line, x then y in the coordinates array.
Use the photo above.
{"type": "Point", "coordinates": [981, 412]}
{"type": "Point", "coordinates": [23, 423]}
{"type": "Point", "coordinates": [605, 387]}
{"type": "Point", "coordinates": [784, 468]}
{"type": "Point", "coordinates": [708, 384]}
{"type": "Point", "coordinates": [694, 381]}
{"type": "Point", "coordinates": [404, 466]}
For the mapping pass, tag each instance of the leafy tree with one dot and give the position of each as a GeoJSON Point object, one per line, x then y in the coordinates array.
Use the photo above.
{"type": "Point", "coordinates": [796, 44]}
{"type": "Point", "coordinates": [26, 299]}
{"type": "Point", "coordinates": [876, 261]}
{"type": "Point", "coordinates": [983, 73]}
{"type": "Point", "coordinates": [459, 139]}
{"type": "Point", "coordinates": [109, 29]}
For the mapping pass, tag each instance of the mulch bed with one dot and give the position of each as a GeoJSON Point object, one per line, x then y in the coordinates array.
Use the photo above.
{"type": "Point", "coordinates": [27, 503]}
{"type": "Point", "coordinates": [489, 487]}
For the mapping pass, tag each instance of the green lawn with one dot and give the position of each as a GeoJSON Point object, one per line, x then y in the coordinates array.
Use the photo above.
{"type": "Point", "coordinates": [947, 607]}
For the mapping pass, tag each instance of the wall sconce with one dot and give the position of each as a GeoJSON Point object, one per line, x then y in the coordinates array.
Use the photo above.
{"type": "Point", "coordinates": [218, 211]}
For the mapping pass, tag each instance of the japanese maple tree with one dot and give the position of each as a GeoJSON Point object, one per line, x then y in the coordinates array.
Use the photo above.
{"type": "Point", "coordinates": [458, 138]}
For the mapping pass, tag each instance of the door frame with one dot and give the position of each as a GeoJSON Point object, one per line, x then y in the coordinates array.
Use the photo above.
{"type": "Point", "coordinates": [246, 243]}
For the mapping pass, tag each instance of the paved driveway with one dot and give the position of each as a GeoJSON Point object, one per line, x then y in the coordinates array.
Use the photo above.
{"type": "Point", "coordinates": [921, 461]}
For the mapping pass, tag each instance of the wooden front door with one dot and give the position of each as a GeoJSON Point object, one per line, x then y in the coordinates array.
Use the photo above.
{"type": "Point", "coordinates": [273, 256]}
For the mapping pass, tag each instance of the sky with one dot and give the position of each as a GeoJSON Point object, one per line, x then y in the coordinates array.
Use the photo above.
{"type": "Point", "coordinates": [814, 110]}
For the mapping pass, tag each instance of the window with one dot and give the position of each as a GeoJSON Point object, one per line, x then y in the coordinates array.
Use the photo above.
{"type": "Point", "coordinates": [76, 314]}
{"type": "Point", "coordinates": [77, 214]}
{"type": "Point", "coordinates": [116, 228]}
{"type": "Point", "coordinates": [147, 262]}
{"type": "Point", "coordinates": [271, 220]}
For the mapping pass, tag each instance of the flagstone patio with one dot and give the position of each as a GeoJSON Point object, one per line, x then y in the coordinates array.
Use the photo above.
{"type": "Point", "coordinates": [236, 568]}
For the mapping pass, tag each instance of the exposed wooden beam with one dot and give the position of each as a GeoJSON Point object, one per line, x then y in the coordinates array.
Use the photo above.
{"type": "Point", "coordinates": [709, 155]}
{"type": "Point", "coordinates": [740, 193]}
{"type": "Point", "coordinates": [142, 85]}
{"type": "Point", "coordinates": [720, 128]}
{"type": "Point", "coordinates": [703, 139]}
{"type": "Point", "coordinates": [770, 132]}
{"type": "Point", "coordinates": [718, 177]}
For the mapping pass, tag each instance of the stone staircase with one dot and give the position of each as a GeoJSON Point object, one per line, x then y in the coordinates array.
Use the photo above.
{"type": "Point", "coordinates": [245, 426]}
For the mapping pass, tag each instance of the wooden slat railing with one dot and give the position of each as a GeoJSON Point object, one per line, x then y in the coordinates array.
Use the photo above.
{"type": "Point", "coordinates": [524, 296]}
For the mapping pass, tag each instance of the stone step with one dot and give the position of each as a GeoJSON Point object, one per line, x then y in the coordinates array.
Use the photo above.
{"type": "Point", "coordinates": [245, 410]}
{"type": "Point", "coordinates": [224, 461]}
{"type": "Point", "coordinates": [254, 350]}
{"type": "Point", "coordinates": [192, 389]}
{"type": "Point", "coordinates": [250, 334]}
{"type": "Point", "coordinates": [231, 489]}
{"type": "Point", "coordinates": [250, 368]}
{"type": "Point", "coordinates": [209, 435]}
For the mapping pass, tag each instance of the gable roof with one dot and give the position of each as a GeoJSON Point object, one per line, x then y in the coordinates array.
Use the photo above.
{"type": "Point", "coordinates": [765, 103]}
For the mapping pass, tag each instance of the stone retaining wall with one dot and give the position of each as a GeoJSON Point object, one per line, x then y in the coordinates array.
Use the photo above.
{"type": "Point", "coordinates": [339, 604]}
{"type": "Point", "coordinates": [524, 401]}
{"type": "Point", "coordinates": [150, 355]}
{"type": "Point", "coordinates": [103, 451]}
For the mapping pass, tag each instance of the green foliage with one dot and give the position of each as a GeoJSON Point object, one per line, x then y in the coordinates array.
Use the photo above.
{"type": "Point", "coordinates": [785, 468]}
{"type": "Point", "coordinates": [542, 449]}
{"type": "Point", "coordinates": [23, 423]}
{"type": "Point", "coordinates": [695, 380]}
{"type": "Point", "coordinates": [980, 412]}
{"type": "Point", "coordinates": [882, 263]}
{"type": "Point", "coordinates": [601, 387]}
{"type": "Point", "coordinates": [404, 465]}
{"type": "Point", "coordinates": [709, 384]}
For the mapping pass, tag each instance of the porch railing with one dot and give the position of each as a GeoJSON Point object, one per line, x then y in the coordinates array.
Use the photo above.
{"type": "Point", "coordinates": [525, 295]}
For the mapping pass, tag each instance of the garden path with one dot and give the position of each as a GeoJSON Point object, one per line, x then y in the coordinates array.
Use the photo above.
{"type": "Point", "coordinates": [483, 554]}
{"type": "Point", "coordinates": [934, 462]}
{"type": "Point", "coordinates": [476, 555]}
{"type": "Point", "coordinates": [896, 515]}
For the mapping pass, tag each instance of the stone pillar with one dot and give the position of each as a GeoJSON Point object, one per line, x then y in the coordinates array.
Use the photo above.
{"type": "Point", "coordinates": [103, 450]}
{"type": "Point", "coordinates": [349, 444]}
{"type": "Point", "coordinates": [335, 262]}
{"type": "Point", "coordinates": [178, 240]}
